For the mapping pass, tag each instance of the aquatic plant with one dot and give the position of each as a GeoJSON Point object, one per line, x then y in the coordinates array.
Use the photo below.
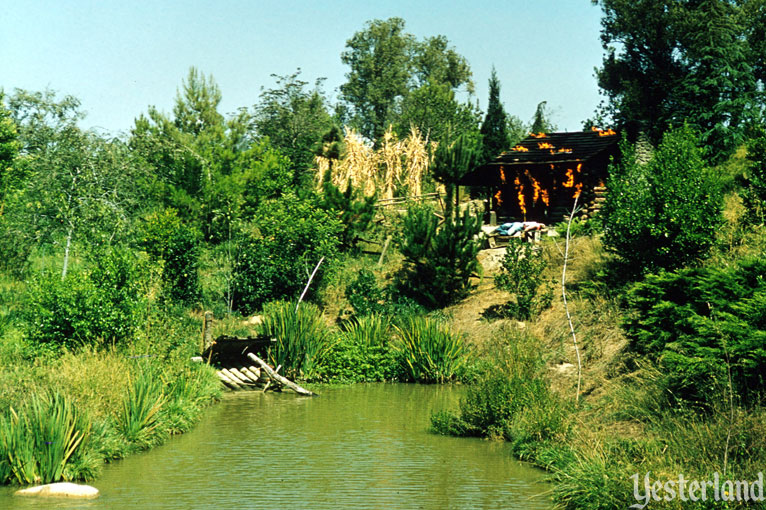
{"type": "Point", "coordinates": [431, 352]}
{"type": "Point", "coordinates": [301, 337]}
{"type": "Point", "coordinates": [138, 416]}
{"type": "Point", "coordinates": [368, 331]}
{"type": "Point", "coordinates": [37, 442]}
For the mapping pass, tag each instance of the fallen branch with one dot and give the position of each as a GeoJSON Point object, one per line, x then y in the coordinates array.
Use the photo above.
{"type": "Point", "coordinates": [278, 378]}
{"type": "Point", "coordinates": [309, 283]}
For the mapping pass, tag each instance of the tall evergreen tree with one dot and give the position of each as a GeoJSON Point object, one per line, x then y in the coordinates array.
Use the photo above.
{"type": "Point", "coordinates": [495, 126]}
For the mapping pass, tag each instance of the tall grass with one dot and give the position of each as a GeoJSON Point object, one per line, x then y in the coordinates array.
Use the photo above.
{"type": "Point", "coordinates": [368, 331]}
{"type": "Point", "coordinates": [431, 351]}
{"type": "Point", "coordinates": [137, 419]}
{"type": "Point", "coordinates": [301, 337]}
{"type": "Point", "coordinates": [37, 442]}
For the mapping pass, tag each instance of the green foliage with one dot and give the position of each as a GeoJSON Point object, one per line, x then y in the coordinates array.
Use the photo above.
{"type": "Point", "coordinates": [665, 63]}
{"type": "Point", "coordinates": [354, 210]}
{"type": "Point", "coordinates": [754, 193]}
{"type": "Point", "coordinates": [302, 337]}
{"type": "Point", "coordinates": [102, 304]}
{"type": "Point", "coordinates": [294, 120]}
{"type": "Point", "coordinates": [9, 148]}
{"type": "Point", "coordinates": [165, 238]}
{"type": "Point", "coordinates": [663, 214]}
{"type": "Point", "coordinates": [701, 323]}
{"type": "Point", "coordinates": [452, 160]}
{"type": "Point", "coordinates": [438, 262]}
{"type": "Point", "coordinates": [386, 64]}
{"type": "Point", "coordinates": [364, 295]}
{"type": "Point", "coordinates": [277, 256]}
{"type": "Point", "coordinates": [431, 352]}
{"type": "Point", "coordinates": [138, 417]}
{"type": "Point", "coordinates": [37, 443]}
{"type": "Point", "coordinates": [540, 122]}
{"type": "Point", "coordinates": [522, 274]}
{"type": "Point", "coordinates": [511, 399]}
{"type": "Point", "coordinates": [494, 129]}
{"type": "Point", "coordinates": [363, 352]}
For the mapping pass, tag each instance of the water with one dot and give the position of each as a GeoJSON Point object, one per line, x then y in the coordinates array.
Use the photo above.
{"type": "Point", "coordinates": [359, 447]}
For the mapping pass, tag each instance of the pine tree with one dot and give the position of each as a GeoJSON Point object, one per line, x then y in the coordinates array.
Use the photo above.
{"type": "Point", "coordinates": [495, 126]}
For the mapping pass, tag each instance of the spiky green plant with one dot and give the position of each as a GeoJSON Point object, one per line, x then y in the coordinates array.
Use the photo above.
{"type": "Point", "coordinates": [37, 442]}
{"type": "Point", "coordinates": [301, 337]}
{"type": "Point", "coordinates": [430, 350]}
{"type": "Point", "coordinates": [138, 416]}
{"type": "Point", "coordinates": [368, 331]}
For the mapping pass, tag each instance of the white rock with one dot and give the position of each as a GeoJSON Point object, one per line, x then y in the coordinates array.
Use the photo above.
{"type": "Point", "coordinates": [60, 490]}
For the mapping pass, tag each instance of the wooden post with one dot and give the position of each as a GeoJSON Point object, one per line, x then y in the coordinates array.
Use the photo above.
{"type": "Point", "coordinates": [383, 252]}
{"type": "Point", "coordinates": [207, 331]}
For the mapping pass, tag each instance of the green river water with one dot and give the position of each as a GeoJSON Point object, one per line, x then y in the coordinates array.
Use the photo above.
{"type": "Point", "coordinates": [356, 447]}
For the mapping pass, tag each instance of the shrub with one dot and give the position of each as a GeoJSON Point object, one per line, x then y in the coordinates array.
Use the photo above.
{"type": "Point", "coordinates": [104, 303]}
{"type": "Point", "coordinates": [522, 274]}
{"type": "Point", "coordinates": [354, 210]}
{"type": "Point", "coordinates": [438, 261]}
{"type": "Point", "coordinates": [276, 255]}
{"type": "Point", "coordinates": [301, 336]}
{"type": "Point", "coordinates": [663, 214]}
{"type": "Point", "coordinates": [754, 193]}
{"type": "Point", "coordinates": [166, 238]}
{"type": "Point", "coordinates": [430, 351]}
{"type": "Point", "coordinates": [693, 320]}
{"type": "Point", "coordinates": [137, 419]}
{"type": "Point", "coordinates": [364, 295]}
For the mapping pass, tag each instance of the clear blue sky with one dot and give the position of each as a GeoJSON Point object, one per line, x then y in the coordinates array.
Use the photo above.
{"type": "Point", "coordinates": [119, 57]}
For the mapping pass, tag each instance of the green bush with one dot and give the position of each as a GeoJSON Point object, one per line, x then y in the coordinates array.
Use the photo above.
{"type": "Point", "coordinates": [354, 210]}
{"type": "Point", "coordinates": [698, 323]}
{"type": "Point", "coordinates": [439, 261]}
{"type": "Point", "coordinates": [302, 337]}
{"type": "Point", "coordinates": [431, 351]}
{"type": "Point", "coordinates": [138, 417]}
{"type": "Point", "coordinates": [167, 239]}
{"type": "Point", "coordinates": [278, 252]}
{"type": "Point", "coordinates": [364, 295]}
{"type": "Point", "coordinates": [363, 352]}
{"type": "Point", "coordinates": [754, 192]}
{"type": "Point", "coordinates": [663, 214]}
{"type": "Point", "coordinates": [102, 304]}
{"type": "Point", "coordinates": [522, 274]}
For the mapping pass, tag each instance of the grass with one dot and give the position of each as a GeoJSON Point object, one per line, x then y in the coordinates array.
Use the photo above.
{"type": "Point", "coordinates": [431, 351]}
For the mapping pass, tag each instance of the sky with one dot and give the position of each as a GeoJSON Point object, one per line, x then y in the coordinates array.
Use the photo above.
{"type": "Point", "coordinates": [120, 57]}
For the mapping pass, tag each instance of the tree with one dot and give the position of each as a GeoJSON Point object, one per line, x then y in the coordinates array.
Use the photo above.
{"type": "Point", "coordinates": [754, 191]}
{"type": "Point", "coordinates": [494, 129]}
{"type": "Point", "coordinates": [452, 160]}
{"type": "Point", "coordinates": [540, 122]}
{"type": "Point", "coordinates": [664, 214]}
{"type": "Point", "coordinates": [294, 118]}
{"type": "Point", "coordinates": [9, 148]}
{"type": "Point", "coordinates": [387, 64]}
{"type": "Point", "coordinates": [669, 62]}
{"type": "Point", "coordinates": [379, 61]}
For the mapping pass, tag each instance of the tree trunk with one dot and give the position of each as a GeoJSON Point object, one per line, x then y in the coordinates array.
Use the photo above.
{"type": "Point", "coordinates": [66, 253]}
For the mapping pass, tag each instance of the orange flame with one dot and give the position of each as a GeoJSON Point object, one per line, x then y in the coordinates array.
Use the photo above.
{"type": "Point", "coordinates": [520, 195]}
{"type": "Point", "coordinates": [520, 148]}
{"type": "Point", "coordinates": [499, 197]}
{"type": "Point", "coordinates": [568, 151]}
{"type": "Point", "coordinates": [570, 179]}
{"type": "Point", "coordinates": [578, 190]}
{"type": "Point", "coordinates": [502, 175]}
{"type": "Point", "coordinates": [601, 132]}
{"type": "Point", "coordinates": [538, 135]}
{"type": "Point", "coordinates": [545, 145]}
{"type": "Point", "coordinates": [538, 191]}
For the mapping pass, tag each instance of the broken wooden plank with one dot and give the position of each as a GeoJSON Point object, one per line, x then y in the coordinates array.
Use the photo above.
{"type": "Point", "coordinates": [278, 378]}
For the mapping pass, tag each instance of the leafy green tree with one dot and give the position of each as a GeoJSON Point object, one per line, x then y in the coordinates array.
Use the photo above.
{"type": "Point", "coordinates": [494, 129]}
{"type": "Point", "coordinates": [278, 251]}
{"type": "Point", "coordinates": [387, 64]}
{"type": "Point", "coordinates": [379, 61]}
{"type": "Point", "coordinates": [438, 261]}
{"type": "Point", "coordinates": [541, 122]}
{"type": "Point", "coordinates": [354, 210]}
{"type": "Point", "coordinates": [294, 118]}
{"type": "Point", "coordinates": [669, 62]}
{"type": "Point", "coordinates": [664, 214]}
{"type": "Point", "coordinates": [9, 148]}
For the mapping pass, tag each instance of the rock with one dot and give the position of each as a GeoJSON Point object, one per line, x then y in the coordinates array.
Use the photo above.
{"type": "Point", "coordinates": [60, 490]}
{"type": "Point", "coordinates": [565, 368]}
{"type": "Point", "coordinates": [491, 260]}
{"type": "Point", "coordinates": [255, 320]}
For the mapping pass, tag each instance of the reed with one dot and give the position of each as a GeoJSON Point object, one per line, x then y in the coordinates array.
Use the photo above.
{"type": "Point", "coordinates": [138, 417]}
{"type": "Point", "coordinates": [368, 331]}
{"type": "Point", "coordinates": [37, 442]}
{"type": "Point", "coordinates": [301, 337]}
{"type": "Point", "coordinates": [431, 352]}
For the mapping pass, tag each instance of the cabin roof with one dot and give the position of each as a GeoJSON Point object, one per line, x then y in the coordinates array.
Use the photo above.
{"type": "Point", "coordinates": [545, 149]}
